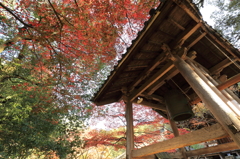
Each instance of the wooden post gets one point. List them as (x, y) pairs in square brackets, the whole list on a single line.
[(130, 132), (176, 134), (222, 94), (215, 104)]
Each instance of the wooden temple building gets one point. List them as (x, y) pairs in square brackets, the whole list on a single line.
[(176, 61)]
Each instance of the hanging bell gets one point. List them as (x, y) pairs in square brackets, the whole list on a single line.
[(177, 105)]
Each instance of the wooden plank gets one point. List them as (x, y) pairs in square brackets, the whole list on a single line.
[(218, 67), (196, 40), (176, 23), (213, 149), (187, 10), (155, 106), (153, 97), (146, 157), (130, 132), (185, 37), (205, 134), (173, 72), (147, 71), (165, 34), (151, 80)]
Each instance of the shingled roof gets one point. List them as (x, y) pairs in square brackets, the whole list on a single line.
[(173, 24)]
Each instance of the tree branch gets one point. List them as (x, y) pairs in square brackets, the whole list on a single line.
[(56, 13), (11, 12)]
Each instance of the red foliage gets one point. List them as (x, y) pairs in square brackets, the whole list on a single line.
[(113, 115)]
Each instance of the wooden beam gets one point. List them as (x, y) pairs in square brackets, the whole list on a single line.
[(188, 10), (137, 66), (151, 80), (147, 71), (165, 34), (185, 37), (153, 97), (212, 99), (146, 157), (148, 104), (196, 40), (173, 72), (204, 27), (205, 134), (218, 67), (130, 132), (235, 79), (176, 23), (222, 44), (213, 149)]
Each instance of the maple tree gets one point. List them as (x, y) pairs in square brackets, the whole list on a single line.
[(226, 18), (51, 52), (149, 127)]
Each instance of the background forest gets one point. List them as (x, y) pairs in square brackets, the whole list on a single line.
[(55, 54)]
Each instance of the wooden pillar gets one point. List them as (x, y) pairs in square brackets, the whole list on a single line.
[(222, 94), (176, 134), (130, 132), (215, 104)]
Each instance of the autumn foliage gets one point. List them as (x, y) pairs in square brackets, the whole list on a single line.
[(51, 52)]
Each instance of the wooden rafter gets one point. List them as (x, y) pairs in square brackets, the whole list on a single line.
[(176, 23), (173, 72), (159, 106), (206, 29), (153, 97), (151, 80), (147, 71), (206, 134), (196, 40), (220, 66)]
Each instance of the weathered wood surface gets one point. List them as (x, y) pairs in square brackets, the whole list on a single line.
[(222, 86), (151, 80), (218, 67), (146, 157), (213, 149), (147, 71), (225, 97), (130, 133), (196, 40), (235, 79), (176, 134), (211, 98), (151, 105), (206, 134)]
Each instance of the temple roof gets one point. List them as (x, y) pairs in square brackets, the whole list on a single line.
[(146, 69)]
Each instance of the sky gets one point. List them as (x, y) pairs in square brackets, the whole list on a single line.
[(206, 13)]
